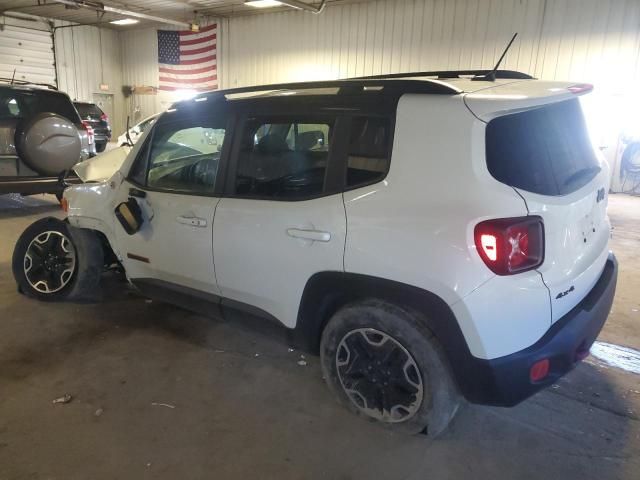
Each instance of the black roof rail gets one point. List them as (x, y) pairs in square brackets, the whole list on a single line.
[(13, 81), (448, 74), (347, 86)]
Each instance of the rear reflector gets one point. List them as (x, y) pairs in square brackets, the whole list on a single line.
[(539, 370), (511, 245)]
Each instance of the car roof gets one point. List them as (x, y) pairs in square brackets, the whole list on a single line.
[(500, 83)]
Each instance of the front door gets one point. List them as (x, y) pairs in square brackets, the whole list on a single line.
[(174, 182), (280, 221)]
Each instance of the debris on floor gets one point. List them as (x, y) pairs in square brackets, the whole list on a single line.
[(64, 399), (168, 405), (98, 412)]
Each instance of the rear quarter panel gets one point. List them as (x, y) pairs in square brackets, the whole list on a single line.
[(416, 226)]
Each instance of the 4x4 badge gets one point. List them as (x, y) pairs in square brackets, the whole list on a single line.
[(565, 293), (600, 196)]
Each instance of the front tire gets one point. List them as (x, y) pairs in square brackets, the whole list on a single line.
[(53, 261), (383, 364)]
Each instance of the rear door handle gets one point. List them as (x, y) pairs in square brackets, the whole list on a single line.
[(314, 235), (192, 221)]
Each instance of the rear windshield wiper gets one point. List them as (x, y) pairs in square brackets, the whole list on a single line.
[(583, 172)]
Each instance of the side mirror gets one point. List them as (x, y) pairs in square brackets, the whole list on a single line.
[(129, 215)]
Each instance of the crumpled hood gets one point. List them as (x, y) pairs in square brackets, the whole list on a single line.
[(103, 166)]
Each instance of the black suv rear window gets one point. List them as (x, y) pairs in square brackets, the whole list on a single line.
[(88, 110), (26, 104), (546, 150)]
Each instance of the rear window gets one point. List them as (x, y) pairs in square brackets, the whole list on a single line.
[(88, 110), (26, 104), (546, 150)]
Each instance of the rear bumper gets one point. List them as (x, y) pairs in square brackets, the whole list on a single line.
[(505, 381), (103, 136)]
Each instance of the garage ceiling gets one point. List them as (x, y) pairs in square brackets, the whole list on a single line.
[(181, 10)]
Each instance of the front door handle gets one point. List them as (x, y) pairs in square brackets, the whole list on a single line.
[(192, 221), (313, 235)]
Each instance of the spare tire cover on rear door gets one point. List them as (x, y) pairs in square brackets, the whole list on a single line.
[(48, 143)]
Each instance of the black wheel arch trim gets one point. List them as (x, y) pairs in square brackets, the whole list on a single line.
[(326, 292)]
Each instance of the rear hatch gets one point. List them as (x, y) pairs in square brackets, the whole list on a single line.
[(95, 117), (537, 142)]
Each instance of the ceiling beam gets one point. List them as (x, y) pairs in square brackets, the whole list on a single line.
[(99, 7)]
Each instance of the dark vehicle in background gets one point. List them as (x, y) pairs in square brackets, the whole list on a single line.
[(98, 120), (41, 137)]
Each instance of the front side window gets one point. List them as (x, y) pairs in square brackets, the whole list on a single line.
[(184, 157), (283, 159)]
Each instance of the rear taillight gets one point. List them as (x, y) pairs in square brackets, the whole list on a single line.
[(511, 245), (89, 129), (104, 117)]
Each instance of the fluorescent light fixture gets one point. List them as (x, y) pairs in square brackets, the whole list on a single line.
[(124, 21), (263, 3)]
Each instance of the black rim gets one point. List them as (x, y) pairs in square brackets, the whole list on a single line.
[(49, 262), (379, 375)]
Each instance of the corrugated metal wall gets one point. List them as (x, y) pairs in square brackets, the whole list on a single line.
[(87, 57), (593, 40), (26, 47), (381, 37)]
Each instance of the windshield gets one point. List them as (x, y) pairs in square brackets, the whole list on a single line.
[(15, 104)]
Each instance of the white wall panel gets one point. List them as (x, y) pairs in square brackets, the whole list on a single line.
[(87, 57), (381, 36)]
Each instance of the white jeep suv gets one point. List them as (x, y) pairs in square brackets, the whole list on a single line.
[(433, 236)]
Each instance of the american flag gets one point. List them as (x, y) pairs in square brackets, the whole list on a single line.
[(187, 60)]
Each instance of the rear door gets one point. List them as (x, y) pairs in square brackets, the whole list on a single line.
[(545, 154), (281, 220)]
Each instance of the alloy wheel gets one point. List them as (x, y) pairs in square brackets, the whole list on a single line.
[(49, 262), (380, 376)]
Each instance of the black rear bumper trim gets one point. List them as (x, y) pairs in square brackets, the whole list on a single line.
[(505, 381)]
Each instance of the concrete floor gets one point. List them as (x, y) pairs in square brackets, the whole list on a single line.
[(238, 405)]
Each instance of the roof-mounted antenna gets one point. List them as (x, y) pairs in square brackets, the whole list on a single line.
[(491, 76), (13, 76)]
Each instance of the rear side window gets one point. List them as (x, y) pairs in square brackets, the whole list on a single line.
[(546, 150), (283, 159), (369, 150), (26, 104)]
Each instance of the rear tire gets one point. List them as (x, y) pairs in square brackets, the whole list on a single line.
[(383, 364), (101, 146), (54, 261)]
